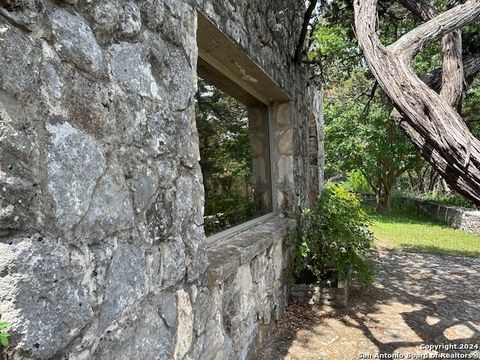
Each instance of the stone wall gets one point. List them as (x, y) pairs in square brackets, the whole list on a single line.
[(248, 291), (460, 218), (102, 249)]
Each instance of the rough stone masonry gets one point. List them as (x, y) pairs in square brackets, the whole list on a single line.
[(102, 250)]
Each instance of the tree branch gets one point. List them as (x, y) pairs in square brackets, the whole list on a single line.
[(471, 67), (434, 127), (415, 40), (420, 9), (366, 109), (452, 68), (303, 33)]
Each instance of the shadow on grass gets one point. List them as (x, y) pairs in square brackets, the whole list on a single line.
[(398, 216), (429, 236), (431, 249)]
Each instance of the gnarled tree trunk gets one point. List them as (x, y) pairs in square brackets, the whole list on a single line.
[(428, 118)]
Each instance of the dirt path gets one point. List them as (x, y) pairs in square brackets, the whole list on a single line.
[(417, 300)]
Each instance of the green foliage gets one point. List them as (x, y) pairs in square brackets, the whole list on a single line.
[(357, 183), (428, 59), (336, 49), (335, 238), (448, 199), (4, 336), (360, 137)]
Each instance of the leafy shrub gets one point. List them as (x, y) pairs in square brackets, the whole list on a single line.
[(3, 334), (357, 183), (335, 239)]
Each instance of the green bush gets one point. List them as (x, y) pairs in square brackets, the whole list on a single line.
[(335, 239), (357, 183), (3, 334)]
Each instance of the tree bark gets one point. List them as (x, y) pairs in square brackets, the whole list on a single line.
[(452, 65), (421, 9), (471, 67), (297, 58), (384, 202), (435, 128)]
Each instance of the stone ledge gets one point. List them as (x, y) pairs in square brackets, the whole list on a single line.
[(228, 255)]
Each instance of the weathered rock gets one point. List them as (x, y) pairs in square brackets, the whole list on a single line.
[(152, 339), (160, 217), (116, 344), (167, 173), (182, 86), (75, 42), (19, 62), (184, 338), (130, 67), (72, 154), (168, 309), (205, 309), (24, 13), (21, 205), (161, 133), (172, 262), (89, 105), (126, 284), (110, 210), (184, 201), (131, 20), (214, 341), (59, 282), (106, 15), (143, 186)]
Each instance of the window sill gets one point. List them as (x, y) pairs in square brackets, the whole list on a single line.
[(240, 248)]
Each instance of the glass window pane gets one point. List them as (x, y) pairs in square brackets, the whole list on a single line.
[(235, 161)]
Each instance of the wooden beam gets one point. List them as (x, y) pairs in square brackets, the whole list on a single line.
[(220, 57)]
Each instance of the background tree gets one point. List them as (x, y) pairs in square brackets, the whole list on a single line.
[(335, 55), (360, 136)]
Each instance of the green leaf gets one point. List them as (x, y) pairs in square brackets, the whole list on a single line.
[(4, 339)]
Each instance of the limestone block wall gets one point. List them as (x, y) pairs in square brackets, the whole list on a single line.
[(247, 292), (102, 248)]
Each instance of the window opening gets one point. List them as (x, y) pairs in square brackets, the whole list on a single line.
[(235, 158)]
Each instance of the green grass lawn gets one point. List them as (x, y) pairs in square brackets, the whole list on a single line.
[(416, 232)]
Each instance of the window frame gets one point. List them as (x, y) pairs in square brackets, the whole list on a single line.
[(232, 71), (223, 235)]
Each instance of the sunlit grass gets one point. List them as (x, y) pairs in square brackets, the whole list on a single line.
[(416, 232)]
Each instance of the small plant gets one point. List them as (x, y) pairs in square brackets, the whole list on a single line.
[(335, 240), (3, 334)]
